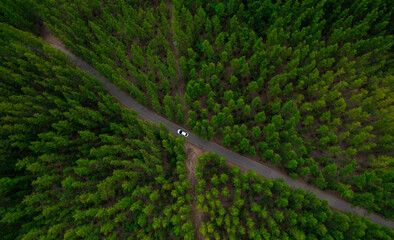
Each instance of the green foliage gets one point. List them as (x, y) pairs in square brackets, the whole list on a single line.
[(78, 165), (261, 207), (306, 86), (298, 66), (21, 14), (304, 69)]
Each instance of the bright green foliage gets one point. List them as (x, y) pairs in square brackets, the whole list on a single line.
[(311, 64), (317, 71), (306, 85), (260, 208)]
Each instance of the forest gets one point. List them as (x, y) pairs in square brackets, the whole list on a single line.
[(242, 205), (74, 163), (303, 86)]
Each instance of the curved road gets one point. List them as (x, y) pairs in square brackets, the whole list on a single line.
[(234, 158)]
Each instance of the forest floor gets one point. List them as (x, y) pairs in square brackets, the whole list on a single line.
[(192, 154)]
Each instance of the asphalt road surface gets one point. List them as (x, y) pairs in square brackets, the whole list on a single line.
[(234, 158)]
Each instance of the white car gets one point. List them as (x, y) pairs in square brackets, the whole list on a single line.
[(183, 133)]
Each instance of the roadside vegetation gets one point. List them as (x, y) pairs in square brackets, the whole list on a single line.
[(306, 86), (74, 163), (242, 205)]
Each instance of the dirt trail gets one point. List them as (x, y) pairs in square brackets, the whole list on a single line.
[(192, 153), (48, 37), (180, 85)]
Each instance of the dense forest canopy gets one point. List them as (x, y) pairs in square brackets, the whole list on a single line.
[(75, 164), (306, 86), (242, 205)]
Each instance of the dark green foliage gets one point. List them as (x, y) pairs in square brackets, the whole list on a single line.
[(304, 85), (132, 58), (75, 164), (321, 69), (21, 14)]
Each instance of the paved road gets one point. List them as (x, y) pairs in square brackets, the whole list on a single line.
[(234, 158)]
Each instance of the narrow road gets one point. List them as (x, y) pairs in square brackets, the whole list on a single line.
[(235, 158)]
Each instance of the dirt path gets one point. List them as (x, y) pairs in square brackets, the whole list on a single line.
[(192, 153), (48, 37), (180, 85)]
